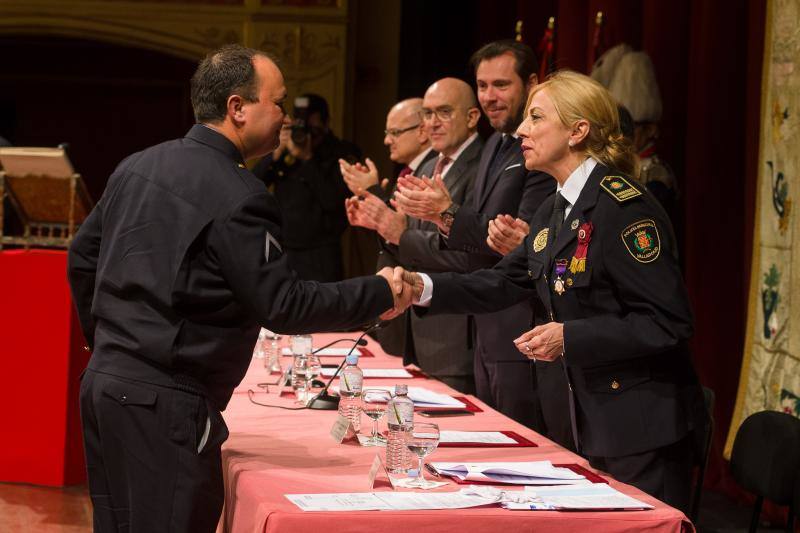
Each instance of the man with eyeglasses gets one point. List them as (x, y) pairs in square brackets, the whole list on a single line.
[(408, 145), (505, 73), (441, 345)]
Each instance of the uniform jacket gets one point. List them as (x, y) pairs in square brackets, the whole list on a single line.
[(180, 263), (626, 316)]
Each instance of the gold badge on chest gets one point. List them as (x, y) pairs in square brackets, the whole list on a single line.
[(540, 241)]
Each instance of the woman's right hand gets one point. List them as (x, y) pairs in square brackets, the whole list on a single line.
[(506, 233)]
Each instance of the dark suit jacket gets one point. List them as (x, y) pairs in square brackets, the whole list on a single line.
[(392, 336), (435, 353), (179, 264), (386, 194), (510, 189), (626, 318)]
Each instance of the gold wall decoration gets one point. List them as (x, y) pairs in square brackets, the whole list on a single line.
[(308, 37)]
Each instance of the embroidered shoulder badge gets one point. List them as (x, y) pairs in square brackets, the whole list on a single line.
[(642, 240), (540, 241), (620, 188)]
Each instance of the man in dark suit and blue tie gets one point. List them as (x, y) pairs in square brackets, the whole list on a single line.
[(505, 73)]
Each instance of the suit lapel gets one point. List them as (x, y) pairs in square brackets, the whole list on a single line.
[(513, 155), (483, 167)]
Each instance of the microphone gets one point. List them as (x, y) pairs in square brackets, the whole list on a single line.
[(359, 342), (327, 402)]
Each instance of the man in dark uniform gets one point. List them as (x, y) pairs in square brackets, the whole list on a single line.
[(505, 72), (173, 273)]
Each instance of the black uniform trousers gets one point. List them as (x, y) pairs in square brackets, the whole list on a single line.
[(145, 473), (664, 472)]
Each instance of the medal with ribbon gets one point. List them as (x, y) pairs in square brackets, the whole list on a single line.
[(578, 263), (558, 283)]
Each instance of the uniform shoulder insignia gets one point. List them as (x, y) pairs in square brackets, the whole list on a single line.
[(619, 188), (642, 241)]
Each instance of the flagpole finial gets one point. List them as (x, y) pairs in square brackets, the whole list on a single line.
[(551, 23), (518, 31), (598, 20)]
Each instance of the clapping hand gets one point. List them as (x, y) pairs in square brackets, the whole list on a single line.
[(545, 342), (422, 198), (506, 233), (358, 177)]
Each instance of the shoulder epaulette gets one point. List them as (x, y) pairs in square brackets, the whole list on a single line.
[(619, 188)]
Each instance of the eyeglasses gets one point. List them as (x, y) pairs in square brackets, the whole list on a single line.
[(445, 114), (395, 132)]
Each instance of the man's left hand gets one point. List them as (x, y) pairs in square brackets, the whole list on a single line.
[(422, 198), (545, 342)]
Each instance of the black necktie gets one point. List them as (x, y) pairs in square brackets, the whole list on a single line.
[(557, 218), (500, 153)]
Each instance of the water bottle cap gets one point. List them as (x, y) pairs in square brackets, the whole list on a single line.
[(401, 389), (352, 359)]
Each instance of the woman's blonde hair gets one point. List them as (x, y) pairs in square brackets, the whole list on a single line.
[(578, 97)]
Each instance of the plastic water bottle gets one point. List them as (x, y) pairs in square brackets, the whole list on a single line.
[(258, 349), (400, 417), (351, 379), (301, 347), (272, 353)]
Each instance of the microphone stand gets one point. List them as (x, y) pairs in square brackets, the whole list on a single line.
[(359, 342), (328, 402)]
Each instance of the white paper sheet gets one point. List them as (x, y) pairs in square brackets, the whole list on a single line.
[(327, 351), (385, 501), (481, 437), (421, 397), (596, 497), (515, 473), (375, 372)]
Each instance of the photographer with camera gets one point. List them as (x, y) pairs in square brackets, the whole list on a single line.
[(304, 172)]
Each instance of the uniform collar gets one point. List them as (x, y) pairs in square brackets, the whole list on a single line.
[(575, 182), (207, 135)]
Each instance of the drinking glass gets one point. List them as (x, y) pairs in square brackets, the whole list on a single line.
[(422, 440), (300, 382), (373, 403), (313, 370)]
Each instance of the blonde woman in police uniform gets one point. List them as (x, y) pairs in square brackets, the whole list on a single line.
[(600, 256)]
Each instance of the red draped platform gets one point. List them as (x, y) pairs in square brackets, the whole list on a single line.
[(42, 355)]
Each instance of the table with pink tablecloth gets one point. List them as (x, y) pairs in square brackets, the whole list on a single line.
[(272, 452)]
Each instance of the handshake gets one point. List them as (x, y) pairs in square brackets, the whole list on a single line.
[(406, 289)]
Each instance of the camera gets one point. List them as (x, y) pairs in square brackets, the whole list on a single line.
[(300, 127)]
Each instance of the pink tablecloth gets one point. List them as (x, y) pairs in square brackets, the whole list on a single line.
[(272, 452)]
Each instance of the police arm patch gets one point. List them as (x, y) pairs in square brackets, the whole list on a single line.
[(619, 188), (642, 240)]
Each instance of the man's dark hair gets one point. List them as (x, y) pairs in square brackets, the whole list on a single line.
[(525, 64), (225, 71)]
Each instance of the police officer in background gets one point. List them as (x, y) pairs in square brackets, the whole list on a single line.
[(173, 273), (601, 257)]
